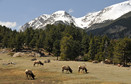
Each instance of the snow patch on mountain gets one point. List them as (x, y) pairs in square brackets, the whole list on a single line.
[(62, 16), (109, 13), (130, 2)]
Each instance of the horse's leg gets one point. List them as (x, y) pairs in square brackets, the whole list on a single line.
[(62, 70), (27, 76), (79, 71), (30, 76), (82, 70), (66, 71), (34, 64)]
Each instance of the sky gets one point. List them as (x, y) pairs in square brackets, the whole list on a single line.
[(15, 13)]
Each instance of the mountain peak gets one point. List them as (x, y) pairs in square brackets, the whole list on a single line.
[(109, 13), (60, 12)]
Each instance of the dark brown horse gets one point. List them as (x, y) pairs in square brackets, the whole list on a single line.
[(82, 68), (67, 68), (38, 62), (29, 74), (47, 61)]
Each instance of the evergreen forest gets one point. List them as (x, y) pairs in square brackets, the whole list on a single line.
[(68, 42)]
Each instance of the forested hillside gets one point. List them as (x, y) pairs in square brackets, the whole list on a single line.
[(118, 28), (68, 42)]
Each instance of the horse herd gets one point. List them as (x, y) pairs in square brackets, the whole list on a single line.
[(30, 74)]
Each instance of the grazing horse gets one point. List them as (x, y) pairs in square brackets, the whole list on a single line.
[(107, 61), (38, 62), (67, 68), (29, 74), (95, 61), (82, 68), (47, 61)]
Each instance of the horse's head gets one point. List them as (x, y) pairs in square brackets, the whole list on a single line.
[(85, 70), (41, 63), (70, 70)]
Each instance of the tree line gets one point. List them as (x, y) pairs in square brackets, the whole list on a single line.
[(68, 42)]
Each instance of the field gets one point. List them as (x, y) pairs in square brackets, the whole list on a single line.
[(51, 73)]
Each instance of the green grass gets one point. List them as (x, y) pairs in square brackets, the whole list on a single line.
[(51, 73)]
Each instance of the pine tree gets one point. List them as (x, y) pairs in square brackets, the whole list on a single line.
[(85, 44), (56, 48), (122, 53), (92, 48), (69, 48), (18, 42)]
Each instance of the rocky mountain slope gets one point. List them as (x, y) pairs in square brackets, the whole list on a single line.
[(109, 13), (118, 28)]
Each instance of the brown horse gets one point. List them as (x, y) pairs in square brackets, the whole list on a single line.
[(107, 61), (95, 61), (82, 68), (47, 61), (29, 74), (67, 68), (38, 62)]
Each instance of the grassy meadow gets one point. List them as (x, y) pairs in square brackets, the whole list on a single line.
[(51, 73)]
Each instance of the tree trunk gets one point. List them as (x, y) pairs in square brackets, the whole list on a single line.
[(57, 57)]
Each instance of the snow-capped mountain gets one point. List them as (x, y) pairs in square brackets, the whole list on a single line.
[(43, 20), (109, 13)]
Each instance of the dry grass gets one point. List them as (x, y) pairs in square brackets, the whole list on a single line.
[(51, 73)]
